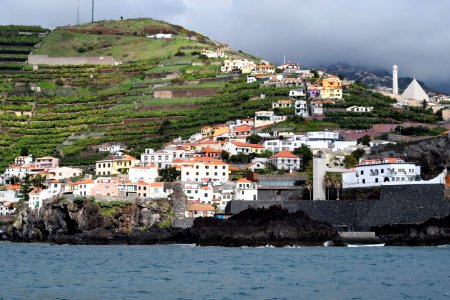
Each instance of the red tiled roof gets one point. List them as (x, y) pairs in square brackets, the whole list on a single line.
[(243, 180), (204, 207), (284, 154), (240, 144)]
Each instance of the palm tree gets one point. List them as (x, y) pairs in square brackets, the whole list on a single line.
[(328, 182), (309, 187), (337, 183)]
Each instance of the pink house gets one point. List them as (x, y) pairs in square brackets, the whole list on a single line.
[(47, 162), (105, 187)]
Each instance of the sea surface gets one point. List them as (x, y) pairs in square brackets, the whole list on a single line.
[(41, 271)]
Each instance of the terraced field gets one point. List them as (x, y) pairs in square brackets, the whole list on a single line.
[(16, 42), (67, 110)]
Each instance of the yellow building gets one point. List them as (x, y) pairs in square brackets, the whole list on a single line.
[(220, 129), (331, 82), (331, 93), (115, 165)]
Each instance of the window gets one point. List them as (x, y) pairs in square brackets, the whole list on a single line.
[(363, 181), (362, 173)]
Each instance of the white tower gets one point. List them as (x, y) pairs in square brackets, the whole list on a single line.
[(395, 79)]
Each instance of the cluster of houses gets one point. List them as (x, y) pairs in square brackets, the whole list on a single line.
[(203, 163)]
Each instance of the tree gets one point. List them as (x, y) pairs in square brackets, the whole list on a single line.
[(254, 139), (38, 181), (337, 182), (270, 168), (25, 188), (224, 155), (240, 158), (424, 104), (305, 153), (353, 159), (24, 151), (164, 126), (340, 76), (315, 73), (328, 182), (309, 185), (365, 140), (169, 174)]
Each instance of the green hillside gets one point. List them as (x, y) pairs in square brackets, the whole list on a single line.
[(126, 40), (79, 107), (66, 111)]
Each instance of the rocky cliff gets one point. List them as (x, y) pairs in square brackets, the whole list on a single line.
[(432, 154), (59, 219)]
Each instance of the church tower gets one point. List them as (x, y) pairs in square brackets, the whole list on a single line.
[(395, 79)]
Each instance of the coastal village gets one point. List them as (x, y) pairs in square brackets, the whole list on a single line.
[(248, 159)]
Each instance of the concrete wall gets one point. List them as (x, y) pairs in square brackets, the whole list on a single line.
[(407, 204), (281, 194), (35, 59), (184, 93)]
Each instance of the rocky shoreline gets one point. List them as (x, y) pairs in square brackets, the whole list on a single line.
[(146, 223)]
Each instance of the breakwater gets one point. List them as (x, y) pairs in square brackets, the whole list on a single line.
[(405, 204)]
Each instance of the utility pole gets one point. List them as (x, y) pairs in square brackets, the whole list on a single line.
[(93, 11)]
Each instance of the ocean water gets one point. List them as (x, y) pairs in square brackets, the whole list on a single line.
[(41, 271)]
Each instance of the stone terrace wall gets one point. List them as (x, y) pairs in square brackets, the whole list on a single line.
[(407, 204)]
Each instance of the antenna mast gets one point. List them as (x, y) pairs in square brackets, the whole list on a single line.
[(93, 11)]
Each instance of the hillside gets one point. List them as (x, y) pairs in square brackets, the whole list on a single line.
[(66, 110), (126, 40)]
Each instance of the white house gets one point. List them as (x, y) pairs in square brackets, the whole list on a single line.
[(246, 190), (243, 65), (359, 108), (204, 169), (297, 94), (112, 148), (264, 118), (283, 103), (198, 193), (199, 210), (147, 173), (238, 147), (37, 197), (161, 158), (385, 171), (301, 108), (161, 36), (7, 208), (213, 53), (23, 160), (323, 136), (286, 160), (83, 187)]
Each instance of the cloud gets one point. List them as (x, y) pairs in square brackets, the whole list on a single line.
[(413, 34)]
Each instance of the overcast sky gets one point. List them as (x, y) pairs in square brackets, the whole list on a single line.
[(414, 34)]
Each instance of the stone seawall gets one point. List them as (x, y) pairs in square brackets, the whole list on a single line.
[(407, 204)]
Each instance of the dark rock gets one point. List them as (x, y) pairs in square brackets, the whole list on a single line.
[(435, 231), (260, 226)]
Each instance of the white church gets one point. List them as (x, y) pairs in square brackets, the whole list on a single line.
[(413, 95)]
